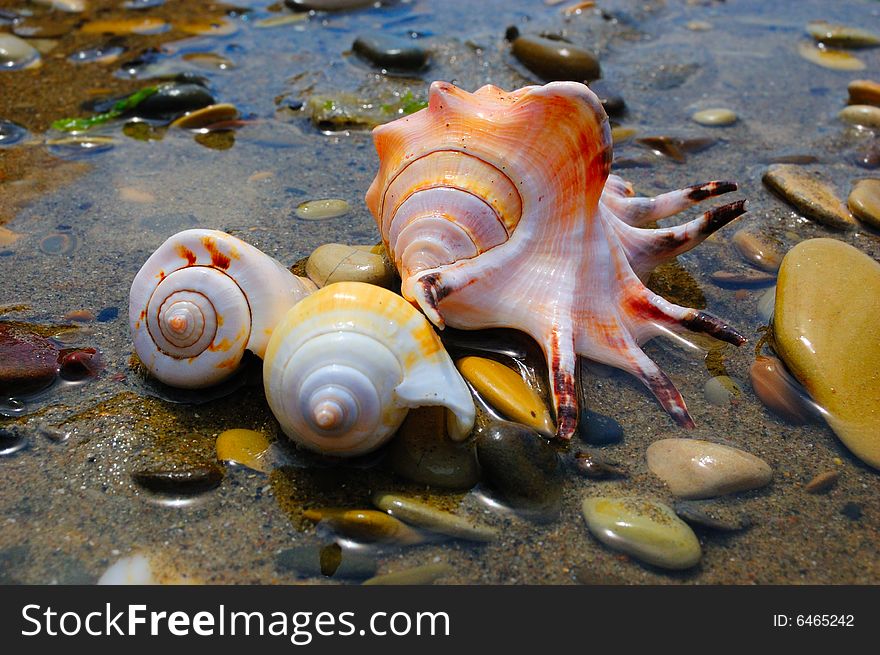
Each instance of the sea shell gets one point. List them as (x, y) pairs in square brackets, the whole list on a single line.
[(201, 300), (499, 211), (344, 366)]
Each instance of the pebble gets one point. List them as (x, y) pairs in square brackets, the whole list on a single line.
[(422, 452), (522, 466), (419, 575), (16, 53), (279, 21), (11, 133), (58, 243), (842, 36), (852, 511), (766, 303), (328, 5), (415, 512), (246, 447), (76, 147), (122, 26), (809, 194), (869, 157), (11, 441), (822, 482), (645, 529), (597, 467), (610, 98), (184, 480), (864, 202), (213, 27), (778, 390), (28, 361), (173, 99), (505, 390), (390, 52), (331, 561), (721, 390), (864, 92), (693, 468), (708, 515), (553, 60), (134, 570), (366, 525), (598, 429), (337, 262), (828, 58), (714, 117), (77, 364), (206, 116), (825, 328), (676, 148), (861, 115), (318, 210), (757, 250), (104, 54), (209, 61)]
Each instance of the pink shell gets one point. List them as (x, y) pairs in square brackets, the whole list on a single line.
[(511, 219)]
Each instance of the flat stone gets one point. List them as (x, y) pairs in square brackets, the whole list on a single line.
[(598, 429), (418, 513), (553, 60), (864, 202), (861, 115), (809, 194), (825, 328), (715, 117), (864, 92), (390, 52), (647, 530), (28, 361), (693, 468)]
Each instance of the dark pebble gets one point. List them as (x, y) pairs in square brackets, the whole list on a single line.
[(180, 481), (852, 511), (174, 99), (28, 362), (107, 314), (597, 467), (522, 466), (10, 133), (11, 441), (611, 100), (330, 561), (79, 363), (390, 52), (869, 158), (598, 429), (556, 60), (707, 516), (511, 33)]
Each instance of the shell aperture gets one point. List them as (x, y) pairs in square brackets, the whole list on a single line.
[(344, 366), (499, 210), (201, 300)]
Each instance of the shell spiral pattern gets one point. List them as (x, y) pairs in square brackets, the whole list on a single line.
[(499, 210), (201, 300), (344, 366)]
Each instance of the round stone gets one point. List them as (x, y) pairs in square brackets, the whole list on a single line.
[(337, 262), (553, 60), (390, 52), (647, 530), (864, 202), (861, 115), (715, 117), (693, 468)]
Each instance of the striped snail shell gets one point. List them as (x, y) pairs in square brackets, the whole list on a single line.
[(344, 366), (201, 300)]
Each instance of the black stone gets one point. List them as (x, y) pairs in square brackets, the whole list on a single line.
[(611, 100), (390, 53), (174, 99), (598, 429), (522, 467), (107, 314), (852, 511), (192, 480)]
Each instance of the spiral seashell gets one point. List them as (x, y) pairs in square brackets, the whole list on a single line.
[(201, 300), (498, 210), (344, 366)]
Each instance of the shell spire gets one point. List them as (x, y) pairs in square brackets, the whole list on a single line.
[(498, 210)]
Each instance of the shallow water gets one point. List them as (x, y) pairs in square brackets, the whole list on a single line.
[(69, 507)]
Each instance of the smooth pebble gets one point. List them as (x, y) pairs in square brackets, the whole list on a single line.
[(864, 92), (864, 202), (246, 447), (693, 468), (809, 194), (553, 60), (829, 58), (721, 390), (367, 525), (715, 117), (317, 210), (337, 262), (420, 514), (645, 529), (778, 390), (861, 115)]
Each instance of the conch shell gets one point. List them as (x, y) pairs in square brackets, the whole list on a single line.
[(201, 300), (499, 211), (344, 366)]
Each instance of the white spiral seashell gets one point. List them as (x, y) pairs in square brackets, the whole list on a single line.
[(344, 366), (201, 300)]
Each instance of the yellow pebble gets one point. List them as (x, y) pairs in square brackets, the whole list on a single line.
[(838, 461), (365, 525), (246, 447), (506, 391)]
